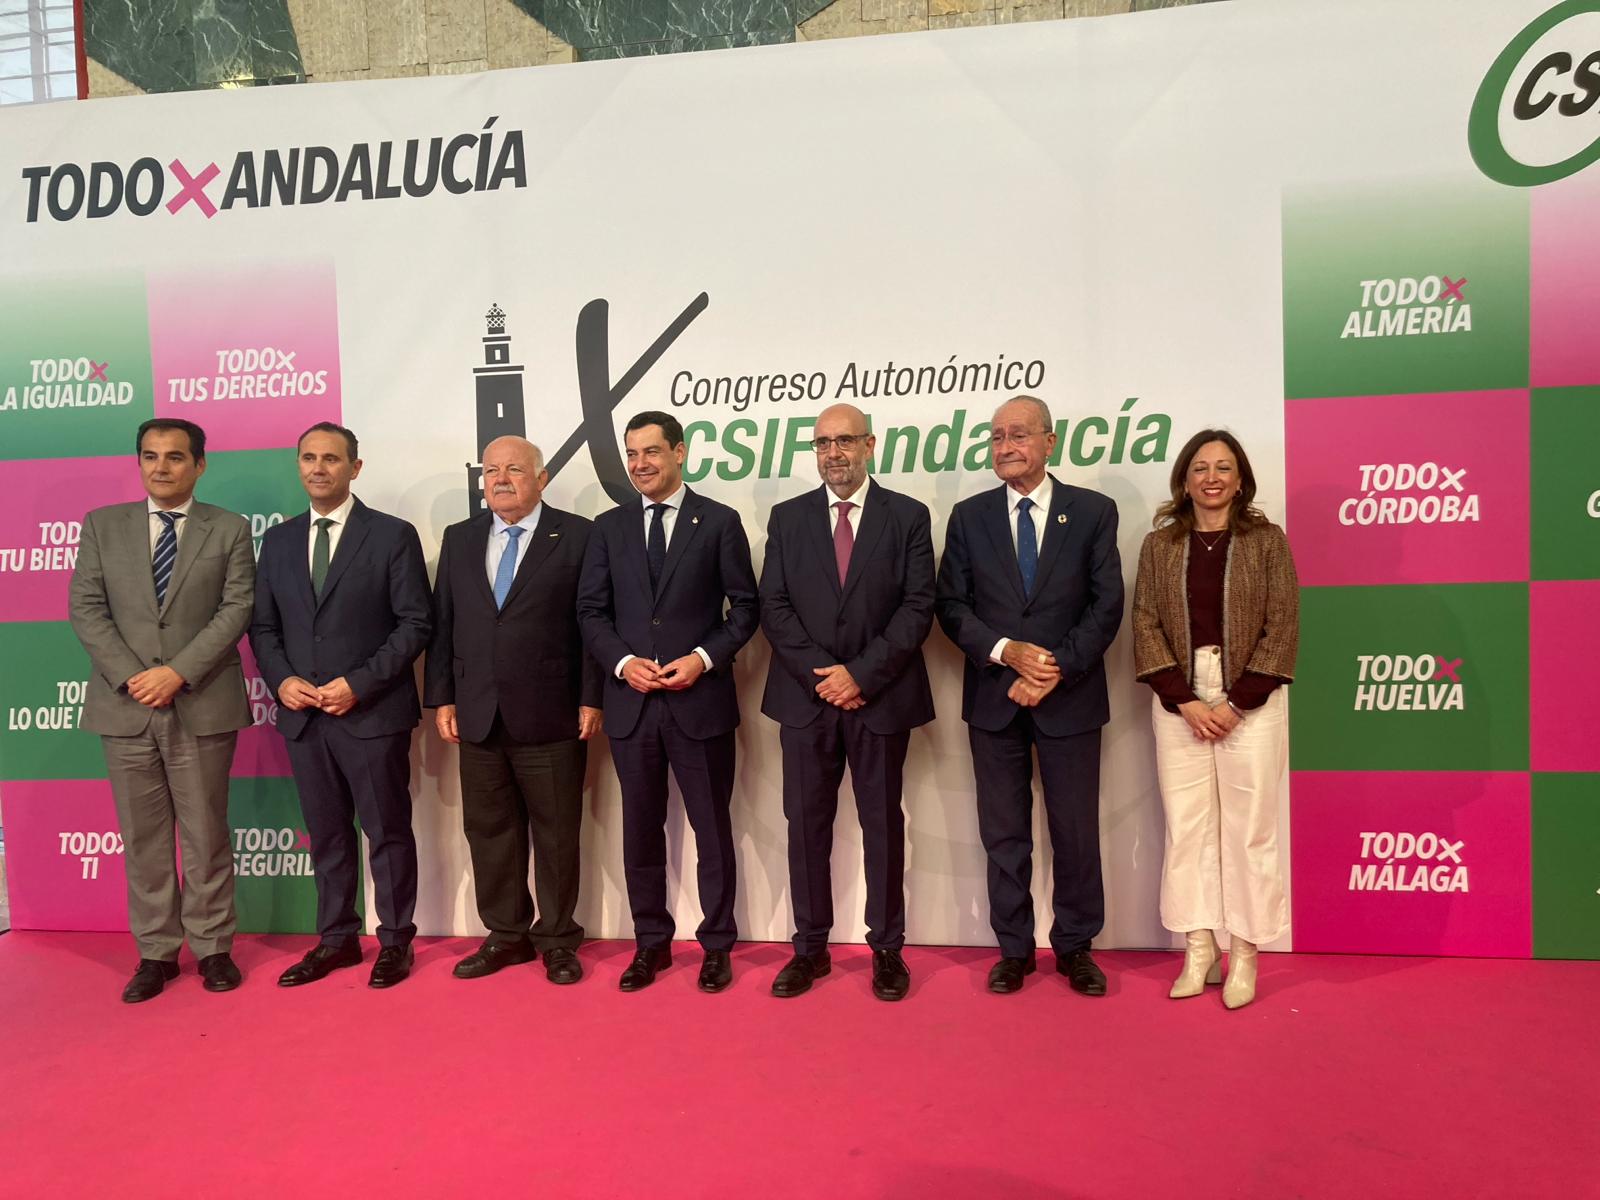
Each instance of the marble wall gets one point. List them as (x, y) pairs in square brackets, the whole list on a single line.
[(138, 46)]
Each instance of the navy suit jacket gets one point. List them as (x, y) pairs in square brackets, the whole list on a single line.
[(707, 566), (525, 660), (874, 624), (370, 624), (1073, 611)]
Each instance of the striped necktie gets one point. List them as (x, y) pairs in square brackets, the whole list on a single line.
[(166, 553)]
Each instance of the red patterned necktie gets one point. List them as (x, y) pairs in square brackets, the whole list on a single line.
[(844, 539)]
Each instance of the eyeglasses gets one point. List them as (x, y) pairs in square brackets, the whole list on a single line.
[(1002, 436), (845, 441)]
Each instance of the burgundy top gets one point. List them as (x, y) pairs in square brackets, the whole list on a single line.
[(1208, 561)]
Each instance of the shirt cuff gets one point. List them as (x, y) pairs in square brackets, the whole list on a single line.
[(704, 657), (998, 654), (1253, 690), (624, 661)]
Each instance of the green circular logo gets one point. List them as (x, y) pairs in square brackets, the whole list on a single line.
[(1483, 126)]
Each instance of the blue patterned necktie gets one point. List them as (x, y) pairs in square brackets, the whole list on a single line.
[(1027, 546), (507, 570), (166, 553), (655, 547)]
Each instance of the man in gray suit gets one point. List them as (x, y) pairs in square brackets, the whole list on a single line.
[(161, 595)]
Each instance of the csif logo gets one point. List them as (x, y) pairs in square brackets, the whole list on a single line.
[(1535, 117), (475, 161)]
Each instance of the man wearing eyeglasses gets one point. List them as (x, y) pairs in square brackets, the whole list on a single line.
[(1030, 589), (846, 601)]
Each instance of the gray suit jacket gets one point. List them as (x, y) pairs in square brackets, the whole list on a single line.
[(196, 632)]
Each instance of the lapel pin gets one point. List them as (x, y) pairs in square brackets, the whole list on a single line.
[(1061, 518), (555, 535), (694, 520)]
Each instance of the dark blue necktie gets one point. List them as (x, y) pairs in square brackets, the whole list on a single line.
[(655, 546), (507, 570), (166, 554), (1027, 546)]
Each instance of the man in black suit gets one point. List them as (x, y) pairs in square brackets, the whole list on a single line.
[(511, 683), (650, 602), (1030, 589), (342, 612), (846, 601)]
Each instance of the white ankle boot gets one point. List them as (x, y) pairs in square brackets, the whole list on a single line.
[(1241, 986), (1202, 964)]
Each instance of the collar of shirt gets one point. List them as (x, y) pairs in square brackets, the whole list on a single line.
[(674, 501), (857, 497), (1040, 497), (338, 516), (152, 508), (528, 523)]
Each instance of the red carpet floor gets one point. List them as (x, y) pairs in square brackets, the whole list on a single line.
[(1349, 1077)]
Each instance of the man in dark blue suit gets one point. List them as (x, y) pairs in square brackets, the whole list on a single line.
[(514, 689), (651, 599), (342, 612), (846, 601), (1030, 589)]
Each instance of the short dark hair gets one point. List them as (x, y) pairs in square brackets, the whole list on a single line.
[(330, 427), (197, 436), (669, 425)]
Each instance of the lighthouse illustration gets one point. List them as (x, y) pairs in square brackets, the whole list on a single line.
[(499, 387)]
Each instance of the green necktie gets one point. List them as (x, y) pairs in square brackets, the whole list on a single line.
[(319, 556)]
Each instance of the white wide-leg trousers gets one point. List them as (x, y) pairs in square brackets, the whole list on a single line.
[(1222, 870)]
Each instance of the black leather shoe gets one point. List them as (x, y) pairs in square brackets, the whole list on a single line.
[(1006, 975), (391, 966), (491, 956), (562, 966), (800, 972), (219, 973), (151, 976), (319, 960), (1082, 973), (716, 972), (890, 979), (641, 972)]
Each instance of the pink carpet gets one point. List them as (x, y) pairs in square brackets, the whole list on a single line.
[(1349, 1077)]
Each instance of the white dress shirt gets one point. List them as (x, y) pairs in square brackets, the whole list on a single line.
[(1040, 496), (669, 522), (339, 517), (156, 525), (498, 541)]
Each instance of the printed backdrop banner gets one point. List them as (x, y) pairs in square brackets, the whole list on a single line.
[(1380, 273)]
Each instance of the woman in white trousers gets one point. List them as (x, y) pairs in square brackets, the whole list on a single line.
[(1216, 611)]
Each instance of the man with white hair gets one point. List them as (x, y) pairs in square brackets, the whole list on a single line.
[(511, 684), (1030, 589)]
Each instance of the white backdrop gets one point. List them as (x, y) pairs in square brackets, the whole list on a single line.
[(1101, 195)]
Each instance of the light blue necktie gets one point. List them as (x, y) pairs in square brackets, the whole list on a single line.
[(507, 570), (166, 554), (1027, 546)]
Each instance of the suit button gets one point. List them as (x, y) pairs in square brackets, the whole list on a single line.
[(156, 661), (318, 637), (655, 620), (163, 624)]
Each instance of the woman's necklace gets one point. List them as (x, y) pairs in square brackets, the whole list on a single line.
[(1212, 544)]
